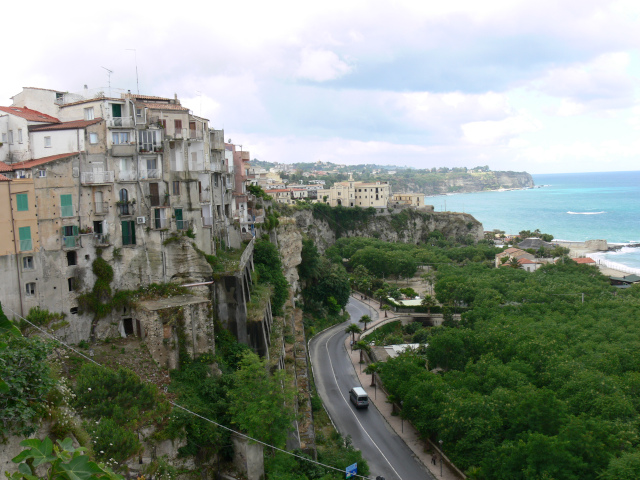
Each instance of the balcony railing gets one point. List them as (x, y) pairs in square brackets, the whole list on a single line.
[(207, 221), (160, 223), (183, 224), (120, 122), (195, 135), (126, 209), (71, 242), (89, 178), (67, 211), (151, 173), (127, 176), (147, 149), (101, 239), (159, 200), (205, 197), (26, 245), (101, 208)]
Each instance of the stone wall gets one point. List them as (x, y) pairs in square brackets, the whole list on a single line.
[(290, 247)]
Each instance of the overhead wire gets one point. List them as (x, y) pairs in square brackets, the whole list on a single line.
[(176, 405)]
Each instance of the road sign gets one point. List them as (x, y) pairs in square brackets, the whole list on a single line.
[(352, 470)]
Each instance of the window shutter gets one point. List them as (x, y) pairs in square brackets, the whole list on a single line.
[(23, 202), (24, 233), (132, 226), (75, 230)]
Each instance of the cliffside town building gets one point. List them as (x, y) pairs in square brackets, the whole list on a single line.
[(360, 194), (83, 175)]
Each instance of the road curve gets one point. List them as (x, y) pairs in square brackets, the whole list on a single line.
[(387, 454)]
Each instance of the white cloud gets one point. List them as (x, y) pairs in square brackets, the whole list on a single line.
[(492, 132), (321, 65)]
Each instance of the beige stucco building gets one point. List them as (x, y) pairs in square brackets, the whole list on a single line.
[(356, 194)]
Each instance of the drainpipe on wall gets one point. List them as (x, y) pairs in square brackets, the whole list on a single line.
[(15, 250)]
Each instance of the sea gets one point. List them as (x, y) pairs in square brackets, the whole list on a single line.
[(571, 207)]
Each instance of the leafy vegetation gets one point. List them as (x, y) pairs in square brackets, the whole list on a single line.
[(267, 263), (534, 383)]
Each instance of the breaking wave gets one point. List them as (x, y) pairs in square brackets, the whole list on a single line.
[(585, 213)]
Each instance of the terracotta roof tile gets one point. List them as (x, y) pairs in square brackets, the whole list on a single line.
[(166, 106), (40, 161), (65, 125), (5, 168), (584, 260), (146, 97), (4, 179), (88, 100), (29, 115)]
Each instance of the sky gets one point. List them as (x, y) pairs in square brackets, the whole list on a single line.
[(545, 86)]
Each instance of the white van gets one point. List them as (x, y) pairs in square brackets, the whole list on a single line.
[(359, 397)]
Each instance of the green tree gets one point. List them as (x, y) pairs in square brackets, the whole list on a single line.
[(372, 369), (363, 347), (256, 395), (428, 302), (267, 263), (352, 329), (385, 308), (309, 267), (365, 319)]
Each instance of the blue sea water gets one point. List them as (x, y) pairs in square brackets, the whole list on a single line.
[(575, 206)]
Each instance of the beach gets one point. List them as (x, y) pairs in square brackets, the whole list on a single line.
[(585, 249)]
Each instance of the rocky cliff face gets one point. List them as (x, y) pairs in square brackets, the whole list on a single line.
[(290, 247), (464, 182), (412, 227)]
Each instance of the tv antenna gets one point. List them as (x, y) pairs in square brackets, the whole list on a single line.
[(199, 94), (135, 52), (109, 72)]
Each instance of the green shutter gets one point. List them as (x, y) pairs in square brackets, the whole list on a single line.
[(75, 230), (66, 206), (133, 232), (23, 202), (116, 109), (25, 238)]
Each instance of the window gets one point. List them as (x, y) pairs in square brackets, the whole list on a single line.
[(70, 236), (47, 142), (178, 126), (27, 263), (124, 202), (93, 138), (73, 311), (42, 173), (164, 124), (176, 188), (19, 135), (128, 232), (24, 233), (98, 227), (10, 137), (66, 206), (139, 112), (72, 257), (148, 140), (22, 199), (71, 282), (4, 137), (180, 223), (88, 113), (120, 138), (30, 289)]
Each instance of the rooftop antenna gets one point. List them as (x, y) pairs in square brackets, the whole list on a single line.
[(109, 72), (135, 52)]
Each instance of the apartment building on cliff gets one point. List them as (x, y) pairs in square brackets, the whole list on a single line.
[(356, 194), (83, 175)]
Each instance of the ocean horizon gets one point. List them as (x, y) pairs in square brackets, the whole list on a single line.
[(570, 206)]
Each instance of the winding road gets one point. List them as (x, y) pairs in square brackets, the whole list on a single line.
[(386, 453)]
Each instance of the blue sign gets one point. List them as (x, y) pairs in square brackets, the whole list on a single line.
[(352, 470)]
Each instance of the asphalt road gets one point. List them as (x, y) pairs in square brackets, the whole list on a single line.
[(388, 456)]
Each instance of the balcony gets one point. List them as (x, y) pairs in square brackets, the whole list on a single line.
[(123, 150), (160, 223), (26, 245), (126, 209), (160, 200), (183, 224), (96, 178), (195, 135), (148, 149), (101, 208), (127, 176), (101, 239), (207, 221), (71, 242), (205, 197), (150, 174), (120, 122)]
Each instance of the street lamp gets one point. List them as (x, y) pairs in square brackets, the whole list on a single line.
[(441, 453)]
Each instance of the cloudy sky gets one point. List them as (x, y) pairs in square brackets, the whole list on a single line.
[(544, 86)]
